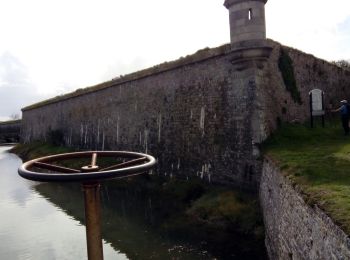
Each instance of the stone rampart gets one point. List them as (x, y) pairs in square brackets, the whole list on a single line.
[(10, 131), (204, 114), (309, 73), (294, 229), (196, 118)]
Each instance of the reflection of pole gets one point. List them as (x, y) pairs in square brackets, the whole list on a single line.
[(92, 219)]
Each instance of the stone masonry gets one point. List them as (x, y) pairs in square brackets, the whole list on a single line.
[(202, 115), (247, 20), (295, 230), (10, 131), (310, 73), (196, 119)]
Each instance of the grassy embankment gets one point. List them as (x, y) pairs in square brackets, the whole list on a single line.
[(317, 161), (190, 207)]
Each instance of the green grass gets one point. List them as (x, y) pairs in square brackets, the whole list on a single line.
[(38, 149), (318, 162)]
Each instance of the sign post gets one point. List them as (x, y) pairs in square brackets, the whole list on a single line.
[(316, 105)]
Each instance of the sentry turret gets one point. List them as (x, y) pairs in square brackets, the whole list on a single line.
[(247, 20)]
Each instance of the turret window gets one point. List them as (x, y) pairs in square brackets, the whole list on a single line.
[(250, 14)]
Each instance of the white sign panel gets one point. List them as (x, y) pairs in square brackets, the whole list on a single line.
[(316, 102)]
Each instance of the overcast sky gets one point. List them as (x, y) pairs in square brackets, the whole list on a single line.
[(50, 47)]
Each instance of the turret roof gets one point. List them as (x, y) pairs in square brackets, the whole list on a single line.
[(228, 3)]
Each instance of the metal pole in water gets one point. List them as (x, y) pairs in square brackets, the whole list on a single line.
[(93, 213), (93, 220)]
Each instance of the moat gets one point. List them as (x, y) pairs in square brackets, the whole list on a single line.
[(46, 221)]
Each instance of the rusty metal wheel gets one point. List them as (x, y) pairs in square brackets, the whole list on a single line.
[(89, 175), (132, 164)]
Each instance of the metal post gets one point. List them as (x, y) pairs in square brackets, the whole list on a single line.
[(323, 109), (311, 115), (92, 219), (323, 121)]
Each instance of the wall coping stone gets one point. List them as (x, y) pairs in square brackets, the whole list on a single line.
[(10, 122), (229, 3)]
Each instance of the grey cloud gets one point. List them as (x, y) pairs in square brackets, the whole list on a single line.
[(16, 90)]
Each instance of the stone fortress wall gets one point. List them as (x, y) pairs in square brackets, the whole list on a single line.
[(294, 229), (10, 131), (203, 115), (309, 73), (194, 118)]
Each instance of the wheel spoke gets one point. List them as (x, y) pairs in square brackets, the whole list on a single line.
[(55, 167), (93, 159), (124, 164)]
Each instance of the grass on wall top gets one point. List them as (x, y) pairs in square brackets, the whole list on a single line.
[(318, 162)]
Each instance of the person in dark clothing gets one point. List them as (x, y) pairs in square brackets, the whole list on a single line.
[(344, 113)]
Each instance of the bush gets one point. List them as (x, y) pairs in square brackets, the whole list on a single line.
[(342, 64)]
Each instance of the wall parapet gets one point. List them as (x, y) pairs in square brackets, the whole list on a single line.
[(294, 229)]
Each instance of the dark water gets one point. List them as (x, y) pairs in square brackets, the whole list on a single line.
[(46, 221)]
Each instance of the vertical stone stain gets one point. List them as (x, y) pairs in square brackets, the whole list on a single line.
[(70, 136), (103, 141), (86, 132), (98, 133), (81, 133), (118, 129), (159, 122), (146, 140), (202, 120)]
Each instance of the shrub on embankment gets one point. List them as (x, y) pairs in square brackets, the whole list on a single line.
[(317, 161)]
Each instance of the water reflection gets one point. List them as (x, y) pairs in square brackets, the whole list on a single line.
[(32, 227), (125, 222), (137, 223), (46, 221)]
